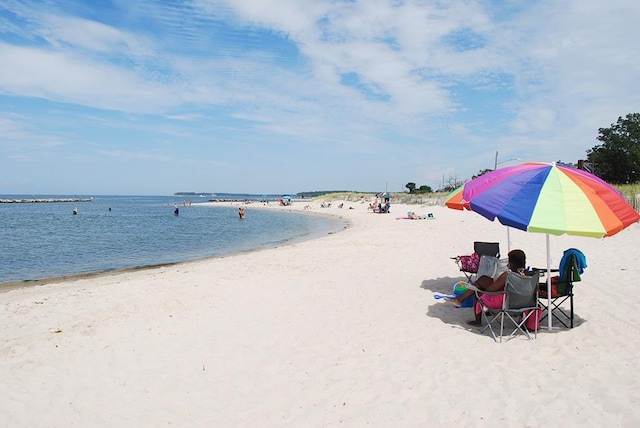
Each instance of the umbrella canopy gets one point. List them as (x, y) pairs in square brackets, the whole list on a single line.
[(550, 198), (455, 200), (384, 195)]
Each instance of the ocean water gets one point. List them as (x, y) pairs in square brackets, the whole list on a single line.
[(45, 240)]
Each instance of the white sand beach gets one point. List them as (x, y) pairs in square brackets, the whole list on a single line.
[(339, 330)]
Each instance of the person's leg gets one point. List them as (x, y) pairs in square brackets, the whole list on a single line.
[(461, 298), (478, 312), (481, 283), (477, 322)]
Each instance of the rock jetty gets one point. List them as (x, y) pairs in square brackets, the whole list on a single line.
[(37, 200)]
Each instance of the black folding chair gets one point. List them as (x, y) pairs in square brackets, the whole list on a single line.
[(561, 292), (479, 248)]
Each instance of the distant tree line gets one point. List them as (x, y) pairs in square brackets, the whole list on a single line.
[(192, 194)]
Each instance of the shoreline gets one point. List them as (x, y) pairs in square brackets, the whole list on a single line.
[(339, 330), (343, 225)]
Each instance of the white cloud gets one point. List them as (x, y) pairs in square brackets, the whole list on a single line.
[(427, 79)]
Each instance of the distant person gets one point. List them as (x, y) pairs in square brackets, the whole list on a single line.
[(241, 213), (75, 211), (176, 210)]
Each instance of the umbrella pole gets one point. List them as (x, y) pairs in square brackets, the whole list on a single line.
[(508, 240), (549, 322)]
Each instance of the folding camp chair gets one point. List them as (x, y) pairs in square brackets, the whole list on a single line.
[(468, 264), (491, 266), (571, 266), (520, 304)]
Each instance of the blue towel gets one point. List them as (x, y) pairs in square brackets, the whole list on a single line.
[(581, 260)]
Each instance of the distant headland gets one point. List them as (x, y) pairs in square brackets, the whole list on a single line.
[(205, 194), (298, 195)]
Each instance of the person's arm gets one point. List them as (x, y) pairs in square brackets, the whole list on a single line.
[(498, 283)]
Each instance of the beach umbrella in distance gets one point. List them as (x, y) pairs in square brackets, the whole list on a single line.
[(550, 198)]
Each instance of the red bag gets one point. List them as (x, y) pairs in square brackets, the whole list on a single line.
[(533, 322), (470, 263), (554, 287)]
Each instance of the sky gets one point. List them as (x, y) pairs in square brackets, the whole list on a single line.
[(152, 97)]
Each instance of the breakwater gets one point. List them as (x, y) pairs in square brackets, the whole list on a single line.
[(42, 200)]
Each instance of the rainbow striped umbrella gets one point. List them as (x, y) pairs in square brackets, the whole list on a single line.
[(550, 198), (455, 200)]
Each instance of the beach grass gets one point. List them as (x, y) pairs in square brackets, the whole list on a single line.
[(396, 197), (631, 192)]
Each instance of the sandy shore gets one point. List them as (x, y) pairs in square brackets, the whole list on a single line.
[(340, 330)]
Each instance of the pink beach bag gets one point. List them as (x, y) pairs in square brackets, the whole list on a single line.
[(533, 322), (470, 263)]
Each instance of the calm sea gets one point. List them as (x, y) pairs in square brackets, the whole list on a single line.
[(45, 240)]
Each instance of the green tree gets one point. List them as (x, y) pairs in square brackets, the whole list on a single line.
[(411, 187), (482, 172), (424, 189), (617, 159)]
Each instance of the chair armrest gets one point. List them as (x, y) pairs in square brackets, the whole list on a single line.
[(542, 271), (490, 293), (472, 287)]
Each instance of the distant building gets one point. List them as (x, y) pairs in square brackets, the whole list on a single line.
[(584, 165)]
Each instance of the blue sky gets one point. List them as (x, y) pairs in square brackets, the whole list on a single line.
[(282, 96)]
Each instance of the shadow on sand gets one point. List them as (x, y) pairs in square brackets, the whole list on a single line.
[(458, 317), (446, 312)]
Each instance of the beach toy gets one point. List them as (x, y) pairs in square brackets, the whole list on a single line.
[(459, 288)]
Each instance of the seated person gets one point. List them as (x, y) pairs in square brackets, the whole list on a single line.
[(517, 263)]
